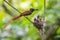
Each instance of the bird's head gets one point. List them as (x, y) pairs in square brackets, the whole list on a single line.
[(32, 10)]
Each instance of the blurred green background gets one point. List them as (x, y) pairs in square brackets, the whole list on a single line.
[(22, 29)]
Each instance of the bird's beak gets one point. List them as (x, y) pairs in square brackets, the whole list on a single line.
[(36, 9)]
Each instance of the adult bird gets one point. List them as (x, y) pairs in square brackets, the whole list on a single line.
[(26, 13)]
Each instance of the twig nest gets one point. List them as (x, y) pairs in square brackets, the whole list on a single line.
[(38, 23)]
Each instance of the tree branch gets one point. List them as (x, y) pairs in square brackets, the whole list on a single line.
[(52, 29)]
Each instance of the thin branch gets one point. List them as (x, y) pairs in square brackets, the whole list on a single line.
[(12, 6), (6, 10), (44, 19), (17, 10)]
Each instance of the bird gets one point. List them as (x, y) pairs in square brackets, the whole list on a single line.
[(25, 13)]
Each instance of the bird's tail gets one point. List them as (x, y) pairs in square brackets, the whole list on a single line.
[(16, 18), (10, 21)]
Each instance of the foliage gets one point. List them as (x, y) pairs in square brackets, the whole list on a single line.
[(24, 28)]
